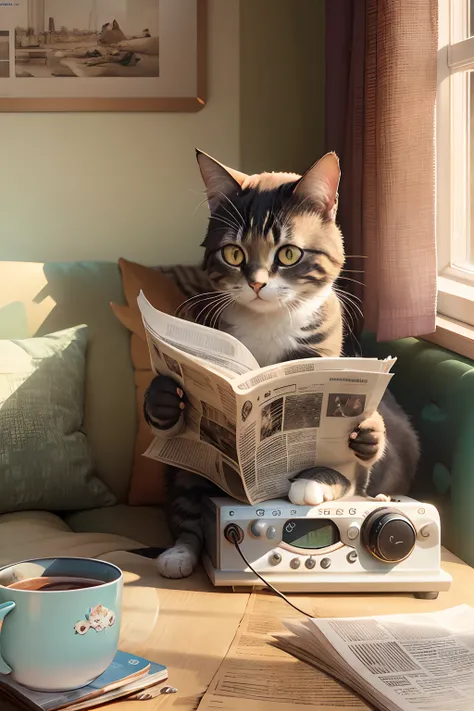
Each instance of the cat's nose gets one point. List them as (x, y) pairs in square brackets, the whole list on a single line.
[(256, 285)]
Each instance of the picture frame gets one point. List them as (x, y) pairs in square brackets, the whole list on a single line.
[(88, 56)]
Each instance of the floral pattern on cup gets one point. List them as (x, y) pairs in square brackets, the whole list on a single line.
[(98, 618)]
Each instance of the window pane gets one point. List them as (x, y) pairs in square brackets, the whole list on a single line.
[(471, 18)]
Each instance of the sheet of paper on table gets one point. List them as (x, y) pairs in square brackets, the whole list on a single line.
[(418, 662), (268, 679)]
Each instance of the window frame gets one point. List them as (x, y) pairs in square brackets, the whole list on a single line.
[(455, 59)]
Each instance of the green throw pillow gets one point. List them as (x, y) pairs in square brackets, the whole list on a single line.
[(45, 460)]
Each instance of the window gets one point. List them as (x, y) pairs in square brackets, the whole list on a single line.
[(455, 160)]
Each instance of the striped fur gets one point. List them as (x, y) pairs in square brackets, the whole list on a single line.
[(280, 312)]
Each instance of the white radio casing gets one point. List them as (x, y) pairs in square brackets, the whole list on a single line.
[(344, 566)]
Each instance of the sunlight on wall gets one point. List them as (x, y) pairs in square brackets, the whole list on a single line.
[(100, 186)]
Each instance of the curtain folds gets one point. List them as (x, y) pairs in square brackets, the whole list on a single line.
[(381, 58)]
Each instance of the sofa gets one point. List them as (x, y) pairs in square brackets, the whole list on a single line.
[(36, 299), (435, 386)]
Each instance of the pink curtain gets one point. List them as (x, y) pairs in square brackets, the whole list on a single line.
[(381, 60)]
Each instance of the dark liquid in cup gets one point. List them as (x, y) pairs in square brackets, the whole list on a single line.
[(52, 584)]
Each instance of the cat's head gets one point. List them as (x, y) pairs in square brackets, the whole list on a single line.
[(272, 239), (111, 33)]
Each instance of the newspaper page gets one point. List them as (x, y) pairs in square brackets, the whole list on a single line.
[(420, 662), (203, 362), (250, 429), (303, 418), (219, 350), (258, 677)]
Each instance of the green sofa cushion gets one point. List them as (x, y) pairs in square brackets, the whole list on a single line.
[(436, 388), (45, 460), (41, 298)]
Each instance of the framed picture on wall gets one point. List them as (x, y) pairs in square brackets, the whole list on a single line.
[(103, 55)]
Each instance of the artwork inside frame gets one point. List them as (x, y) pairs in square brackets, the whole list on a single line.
[(103, 55)]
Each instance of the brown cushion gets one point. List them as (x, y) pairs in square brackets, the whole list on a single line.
[(147, 481)]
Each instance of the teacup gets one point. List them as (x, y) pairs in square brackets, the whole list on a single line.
[(61, 621)]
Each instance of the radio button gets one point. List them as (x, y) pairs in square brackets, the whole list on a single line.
[(353, 531), (257, 528), (295, 563), (271, 532), (352, 557), (326, 563), (427, 530), (310, 563), (275, 558)]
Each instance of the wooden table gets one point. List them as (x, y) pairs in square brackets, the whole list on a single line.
[(189, 625)]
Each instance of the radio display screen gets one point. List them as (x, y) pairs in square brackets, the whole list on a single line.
[(310, 533)]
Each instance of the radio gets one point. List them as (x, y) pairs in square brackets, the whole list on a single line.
[(349, 545)]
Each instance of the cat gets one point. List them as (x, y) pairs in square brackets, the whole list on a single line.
[(111, 33), (347, 406), (273, 252)]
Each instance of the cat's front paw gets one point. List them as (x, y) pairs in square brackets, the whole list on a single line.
[(310, 493), (383, 497), (164, 402), (367, 440), (177, 562)]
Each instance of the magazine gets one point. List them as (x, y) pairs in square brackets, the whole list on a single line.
[(418, 662), (126, 675), (250, 429)]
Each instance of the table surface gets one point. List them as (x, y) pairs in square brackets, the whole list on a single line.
[(189, 625)]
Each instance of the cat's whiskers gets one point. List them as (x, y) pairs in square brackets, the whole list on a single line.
[(218, 300), (283, 303), (200, 205), (197, 298), (350, 300), (225, 221), (345, 299), (242, 221), (232, 218), (215, 307), (347, 317), (355, 281), (349, 321), (220, 310), (347, 293)]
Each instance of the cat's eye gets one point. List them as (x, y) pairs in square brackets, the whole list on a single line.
[(233, 255), (289, 255)]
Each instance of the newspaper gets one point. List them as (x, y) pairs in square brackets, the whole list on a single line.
[(250, 429), (419, 662), (256, 676)]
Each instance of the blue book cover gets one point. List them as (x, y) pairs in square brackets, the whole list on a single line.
[(123, 666), (125, 670)]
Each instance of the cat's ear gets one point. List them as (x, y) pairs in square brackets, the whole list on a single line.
[(115, 25), (220, 181), (321, 183)]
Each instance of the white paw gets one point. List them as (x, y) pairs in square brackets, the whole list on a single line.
[(310, 493), (177, 562), (383, 497)]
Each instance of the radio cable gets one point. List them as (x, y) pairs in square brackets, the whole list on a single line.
[(234, 534)]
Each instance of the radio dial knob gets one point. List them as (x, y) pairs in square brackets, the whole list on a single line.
[(257, 528), (388, 535)]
